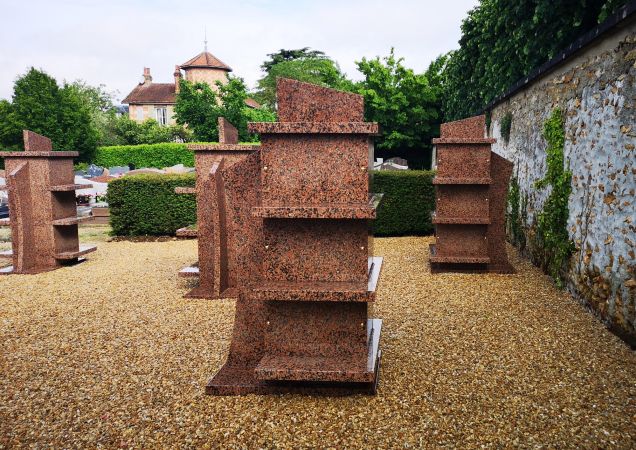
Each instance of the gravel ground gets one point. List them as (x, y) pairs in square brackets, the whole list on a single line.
[(108, 354)]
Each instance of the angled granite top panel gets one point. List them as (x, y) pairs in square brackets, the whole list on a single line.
[(305, 102), (473, 127), (314, 127), (34, 142)]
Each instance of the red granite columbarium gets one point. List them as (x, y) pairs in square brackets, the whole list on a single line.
[(471, 188), (218, 257), (307, 278), (42, 208)]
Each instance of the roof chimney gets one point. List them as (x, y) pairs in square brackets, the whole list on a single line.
[(177, 78), (147, 77)]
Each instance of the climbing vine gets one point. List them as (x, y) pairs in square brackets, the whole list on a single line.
[(506, 126), (516, 215), (552, 220)]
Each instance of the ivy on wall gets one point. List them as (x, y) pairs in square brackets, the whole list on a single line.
[(506, 126), (552, 233), (516, 215)]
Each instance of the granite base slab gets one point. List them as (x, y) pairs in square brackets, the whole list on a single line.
[(8, 270), (437, 268), (239, 381), (204, 293)]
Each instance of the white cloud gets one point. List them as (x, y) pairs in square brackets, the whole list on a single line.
[(110, 42)]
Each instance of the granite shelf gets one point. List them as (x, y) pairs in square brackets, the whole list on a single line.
[(449, 180), (316, 368), (320, 291), (69, 187), (333, 211), (224, 147), (464, 141), (313, 127), (330, 211), (457, 259), (461, 220), (83, 250), (67, 221), (40, 154)]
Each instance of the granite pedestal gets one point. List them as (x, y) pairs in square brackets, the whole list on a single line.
[(307, 284), (471, 189), (217, 257), (42, 208)]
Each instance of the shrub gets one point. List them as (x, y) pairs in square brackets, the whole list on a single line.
[(409, 199), (145, 155), (147, 204)]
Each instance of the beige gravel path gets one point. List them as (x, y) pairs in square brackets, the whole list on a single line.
[(108, 354)]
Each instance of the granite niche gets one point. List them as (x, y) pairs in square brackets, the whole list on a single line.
[(471, 189), (217, 211), (296, 216), (42, 208)]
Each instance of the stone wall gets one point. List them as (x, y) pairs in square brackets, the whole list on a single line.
[(596, 90)]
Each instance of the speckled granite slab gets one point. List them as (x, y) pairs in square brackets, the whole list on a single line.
[(471, 187)]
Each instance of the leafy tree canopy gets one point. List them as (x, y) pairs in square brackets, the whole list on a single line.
[(59, 113), (199, 106), (290, 55), (402, 102), (503, 41)]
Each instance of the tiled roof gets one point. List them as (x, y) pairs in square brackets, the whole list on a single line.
[(154, 93), (206, 59)]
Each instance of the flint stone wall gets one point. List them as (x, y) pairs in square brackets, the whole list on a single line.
[(596, 90)]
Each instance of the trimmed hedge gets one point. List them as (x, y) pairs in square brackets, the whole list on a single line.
[(409, 199), (147, 205), (144, 155)]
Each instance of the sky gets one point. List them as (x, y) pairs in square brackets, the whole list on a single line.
[(109, 42)]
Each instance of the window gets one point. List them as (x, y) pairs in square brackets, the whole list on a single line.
[(162, 115), (140, 113)]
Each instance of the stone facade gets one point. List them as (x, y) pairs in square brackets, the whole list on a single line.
[(209, 76), (596, 90)]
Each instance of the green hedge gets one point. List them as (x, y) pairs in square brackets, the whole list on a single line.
[(144, 155), (409, 199), (147, 205)]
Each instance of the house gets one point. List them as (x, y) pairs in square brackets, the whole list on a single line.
[(150, 100)]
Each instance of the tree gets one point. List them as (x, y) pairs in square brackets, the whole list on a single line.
[(40, 105), (306, 67), (290, 55), (199, 106), (401, 101)]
